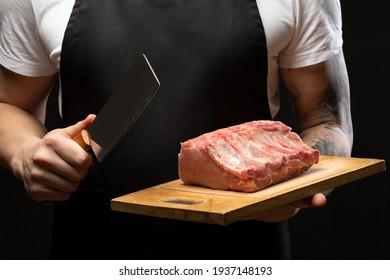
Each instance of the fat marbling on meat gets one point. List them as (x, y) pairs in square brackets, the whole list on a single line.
[(247, 157)]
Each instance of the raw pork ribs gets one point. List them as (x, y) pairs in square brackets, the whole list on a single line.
[(246, 157)]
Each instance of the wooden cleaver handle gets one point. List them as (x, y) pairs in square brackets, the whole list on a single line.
[(83, 139)]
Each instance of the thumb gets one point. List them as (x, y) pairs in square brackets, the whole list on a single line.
[(75, 129), (316, 200)]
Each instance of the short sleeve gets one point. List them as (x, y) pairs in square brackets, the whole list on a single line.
[(21, 49), (317, 33)]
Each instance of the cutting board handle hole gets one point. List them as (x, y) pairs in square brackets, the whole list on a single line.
[(183, 201)]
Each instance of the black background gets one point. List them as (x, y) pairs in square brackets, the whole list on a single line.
[(355, 224)]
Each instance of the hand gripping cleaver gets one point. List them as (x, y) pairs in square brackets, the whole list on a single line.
[(122, 109)]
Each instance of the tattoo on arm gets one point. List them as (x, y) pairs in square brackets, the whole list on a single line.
[(328, 138), (321, 100)]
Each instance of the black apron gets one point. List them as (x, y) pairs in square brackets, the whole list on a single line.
[(211, 59)]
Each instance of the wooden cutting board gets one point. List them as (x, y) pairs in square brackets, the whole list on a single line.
[(175, 200)]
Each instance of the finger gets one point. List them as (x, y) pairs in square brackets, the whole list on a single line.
[(42, 193), (277, 214), (77, 158), (316, 200), (74, 155), (42, 185), (73, 130), (65, 170), (286, 211), (43, 177), (62, 156)]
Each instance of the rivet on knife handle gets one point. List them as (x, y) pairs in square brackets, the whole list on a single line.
[(83, 139)]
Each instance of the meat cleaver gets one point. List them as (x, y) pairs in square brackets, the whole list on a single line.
[(122, 109)]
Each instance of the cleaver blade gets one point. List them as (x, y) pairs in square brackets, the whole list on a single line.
[(122, 109)]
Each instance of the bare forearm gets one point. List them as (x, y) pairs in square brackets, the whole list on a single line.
[(50, 164), (17, 128)]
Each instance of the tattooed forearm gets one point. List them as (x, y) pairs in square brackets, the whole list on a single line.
[(333, 101), (321, 99), (329, 139), (329, 148), (325, 147)]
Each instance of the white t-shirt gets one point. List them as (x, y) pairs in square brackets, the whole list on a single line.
[(298, 32)]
